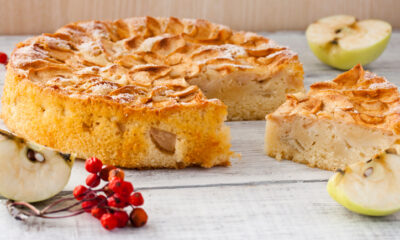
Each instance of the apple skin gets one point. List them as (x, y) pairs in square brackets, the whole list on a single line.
[(339, 196), (346, 59)]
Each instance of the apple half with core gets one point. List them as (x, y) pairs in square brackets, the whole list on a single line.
[(370, 188), (31, 172), (342, 42)]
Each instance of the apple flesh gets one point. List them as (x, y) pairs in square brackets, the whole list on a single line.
[(31, 172), (369, 188), (343, 42)]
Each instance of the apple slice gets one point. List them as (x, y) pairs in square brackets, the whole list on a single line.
[(342, 42), (31, 172), (369, 188)]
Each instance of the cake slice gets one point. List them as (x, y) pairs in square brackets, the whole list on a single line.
[(349, 119)]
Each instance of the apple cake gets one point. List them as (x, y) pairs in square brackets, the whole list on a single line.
[(145, 92), (339, 122)]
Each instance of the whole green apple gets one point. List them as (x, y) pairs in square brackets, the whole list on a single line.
[(342, 42)]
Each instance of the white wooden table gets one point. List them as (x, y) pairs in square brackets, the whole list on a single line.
[(256, 198)]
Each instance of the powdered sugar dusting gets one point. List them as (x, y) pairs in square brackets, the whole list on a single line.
[(26, 55)]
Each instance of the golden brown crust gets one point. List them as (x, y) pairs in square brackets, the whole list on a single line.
[(356, 97), (142, 62)]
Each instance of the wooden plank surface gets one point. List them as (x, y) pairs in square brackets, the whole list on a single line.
[(36, 16), (256, 198)]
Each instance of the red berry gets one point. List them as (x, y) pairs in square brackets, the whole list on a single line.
[(79, 192), (93, 165), (93, 180), (113, 202), (122, 218), (119, 173), (115, 185), (124, 198), (98, 212), (88, 205), (105, 172), (117, 201), (109, 221), (138, 217), (107, 191), (126, 188), (136, 199), (90, 195), (3, 58), (101, 200)]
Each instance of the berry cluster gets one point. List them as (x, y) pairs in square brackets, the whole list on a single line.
[(109, 202), (3, 58)]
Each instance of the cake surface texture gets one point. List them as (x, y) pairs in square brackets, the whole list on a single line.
[(145, 92), (339, 122)]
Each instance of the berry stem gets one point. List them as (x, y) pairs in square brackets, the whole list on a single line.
[(113, 208), (43, 214), (44, 210), (34, 210), (80, 211), (63, 209)]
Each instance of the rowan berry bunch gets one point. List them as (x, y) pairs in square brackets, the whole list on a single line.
[(107, 203)]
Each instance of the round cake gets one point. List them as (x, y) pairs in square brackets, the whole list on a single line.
[(145, 92)]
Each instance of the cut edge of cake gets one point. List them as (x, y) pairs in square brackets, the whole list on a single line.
[(339, 122), (250, 94)]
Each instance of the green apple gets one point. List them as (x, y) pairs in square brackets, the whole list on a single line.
[(31, 172), (370, 188), (342, 42)]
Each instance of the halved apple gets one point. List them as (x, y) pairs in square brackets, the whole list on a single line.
[(369, 188), (31, 172), (342, 42)]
